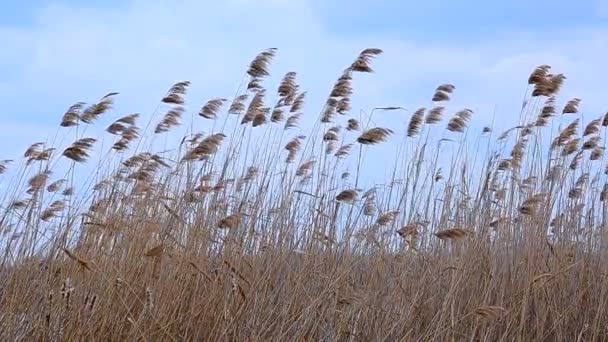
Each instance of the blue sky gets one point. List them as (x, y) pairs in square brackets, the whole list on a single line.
[(422, 20), (458, 21), (62, 51)]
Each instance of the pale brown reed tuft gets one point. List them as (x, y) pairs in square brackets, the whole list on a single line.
[(460, 120), (571, 106), (407, 231), (517, 153), (230, 222), (434, 115), (453, 234), (4, 165), (347, 196), (79, 150), (175, 94), (277, 115), (206, 147), (238, 104), (343, 151), (121, 125), (343, 106), (547, 112), (442, 93), (597, 153), (260, 118), (56, 185), (255, 85), (129, 119), (260, 65), (440, 96), (591, 143), (547, 84), (331, 105), (330, 135), (128, 135), (539, 74), (570, 147), (298, 103), (94, 111), (530, 205), (604, 193), (19, 204), (33, 150), (446, 87), (293, 146), (116, 128), (504, 165), (353, 125), (387, 218), (566, 134), (374, 136), (251, 174), (363, 61), (576, 160), (288, 85), (369, 207), (72, 115), (169, 120), (255, 108), (343, 86), (36, 152), (211, 109), (38, 181), (305, 168), (592, 127), (52, 210), (293, 121)]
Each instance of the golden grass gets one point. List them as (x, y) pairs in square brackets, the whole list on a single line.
[(253, 230)]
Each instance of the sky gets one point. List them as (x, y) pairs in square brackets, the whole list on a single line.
[(58, 52)]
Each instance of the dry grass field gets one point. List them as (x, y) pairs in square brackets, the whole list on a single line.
[(254, 230)]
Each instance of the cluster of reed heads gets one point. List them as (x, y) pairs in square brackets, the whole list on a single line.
[(259, 231)]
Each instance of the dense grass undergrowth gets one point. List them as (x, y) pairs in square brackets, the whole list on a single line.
[(257, 230)]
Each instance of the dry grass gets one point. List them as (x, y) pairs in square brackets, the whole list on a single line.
[(254, 230)]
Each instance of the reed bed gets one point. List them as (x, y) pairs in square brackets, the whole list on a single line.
[(247, 227)]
